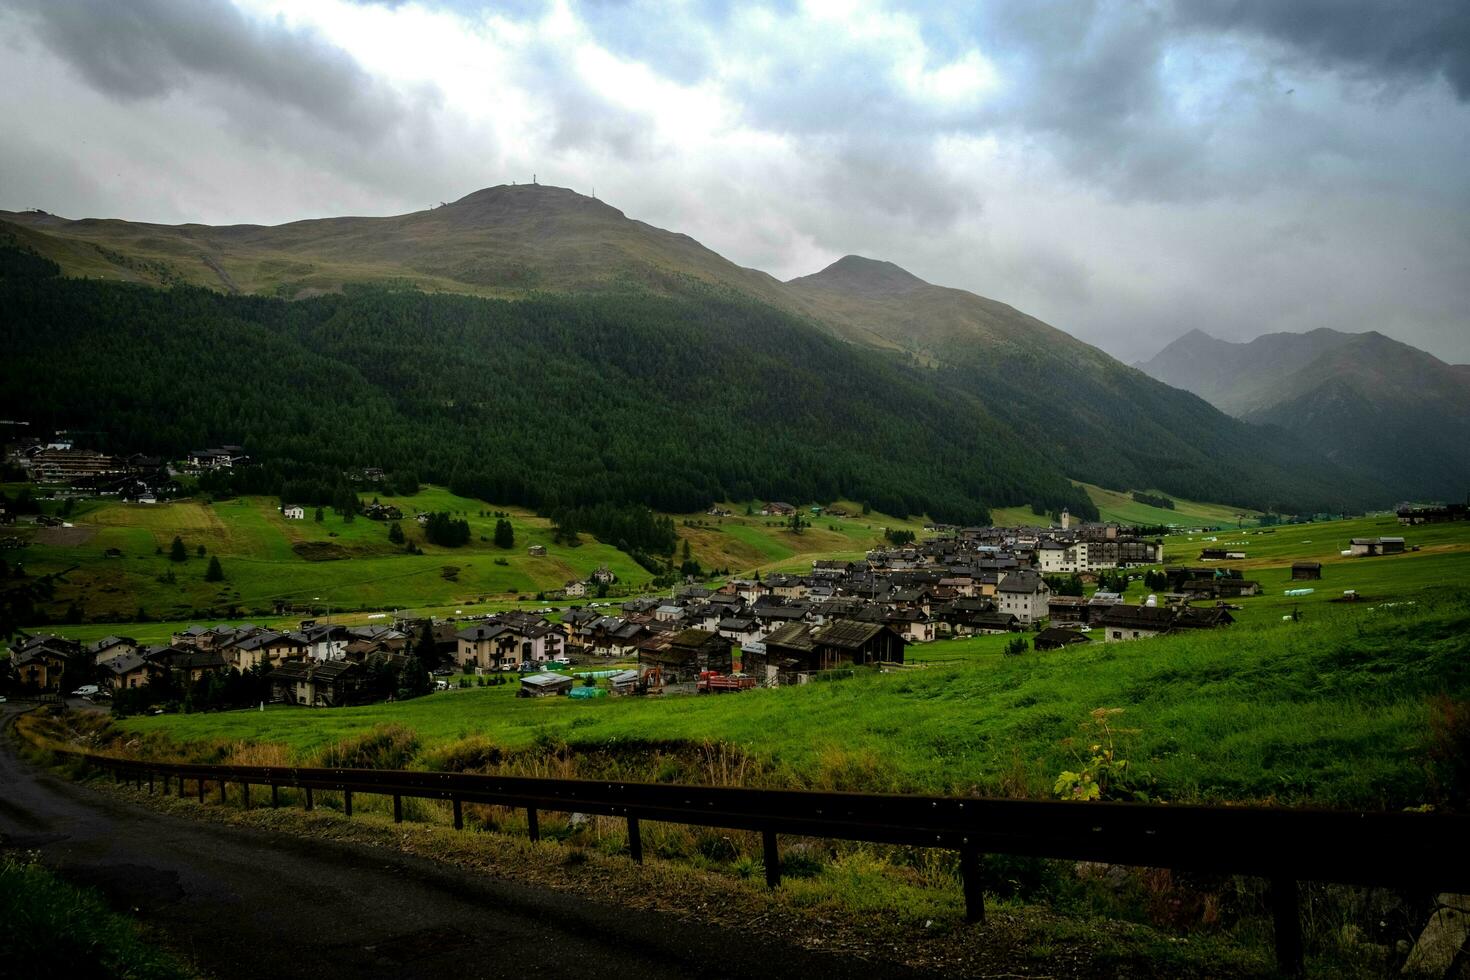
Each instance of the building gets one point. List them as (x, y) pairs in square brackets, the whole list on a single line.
[(545, 685), (128, 670), (1369, 547), (1023, 595), (1306, 571), (293, 512), (799, 649), (1124, 622), (487, 647), (689, 652), (328, 684), (40, 663), (1055, 638), (537, 551)]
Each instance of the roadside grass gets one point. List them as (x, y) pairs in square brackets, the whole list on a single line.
[(1330, 711), (55, 929)]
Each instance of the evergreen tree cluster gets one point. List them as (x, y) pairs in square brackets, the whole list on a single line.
[(446, 530), (1153, 500), (505, 534)]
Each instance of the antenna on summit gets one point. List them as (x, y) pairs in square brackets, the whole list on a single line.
[(533, 178)]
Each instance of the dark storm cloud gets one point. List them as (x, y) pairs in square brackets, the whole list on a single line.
[(1379, 40), (147, 49)]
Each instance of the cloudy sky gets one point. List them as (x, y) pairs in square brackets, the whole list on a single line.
[(1126, 171)]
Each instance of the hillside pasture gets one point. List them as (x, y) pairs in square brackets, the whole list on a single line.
[(1332, 710)]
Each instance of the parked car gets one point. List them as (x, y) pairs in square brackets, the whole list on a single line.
[(560, 661), (85, 691)]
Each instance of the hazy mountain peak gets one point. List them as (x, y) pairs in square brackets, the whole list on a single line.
[(864, 277)]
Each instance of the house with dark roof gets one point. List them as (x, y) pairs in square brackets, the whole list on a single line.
[(1056, 638), (798, 649), (488, 646), (40, 663), (313, 684), (1023, 594), (128, 670), (687, 653)]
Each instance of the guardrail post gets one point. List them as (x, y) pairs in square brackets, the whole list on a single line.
[(275, 796), (458, 814), (970, 875), (772, 858), (201, 789), (167, 780), (347, 802), (635, 840), (1287, 923), (309, 801), (150, 782), (245, 795), (222, 789), (397, 808), (533, 823), (116, 775)]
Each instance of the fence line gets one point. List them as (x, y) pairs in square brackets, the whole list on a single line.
[(1424, 851)]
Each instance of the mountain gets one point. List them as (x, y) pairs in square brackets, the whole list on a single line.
[(1103, 422), (1371, 403), (1038, 403)]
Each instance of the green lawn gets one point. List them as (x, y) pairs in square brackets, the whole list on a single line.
[(1330, 710), (268, 559)]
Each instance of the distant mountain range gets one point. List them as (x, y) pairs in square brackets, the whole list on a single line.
[(1371, 403), (1035, 404)]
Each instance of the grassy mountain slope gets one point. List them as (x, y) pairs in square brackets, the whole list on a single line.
[(1379, 406), (1102, 422), (669, 402), (1028, 383)]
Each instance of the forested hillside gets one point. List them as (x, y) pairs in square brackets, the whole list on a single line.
[(1379, 406), (1101, 421), (667, 374), (549, 402)]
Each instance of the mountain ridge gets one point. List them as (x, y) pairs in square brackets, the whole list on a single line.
[(1081, 410), (1366, 399)]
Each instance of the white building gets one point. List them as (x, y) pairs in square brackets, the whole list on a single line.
[(294, 512)]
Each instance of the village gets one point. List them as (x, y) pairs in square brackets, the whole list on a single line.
[(1051, 586), (739, 634)]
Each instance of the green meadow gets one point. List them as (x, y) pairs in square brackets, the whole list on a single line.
[(331, 565), (116, 558), (1331, 710)]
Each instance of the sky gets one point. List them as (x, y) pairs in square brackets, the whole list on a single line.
[(1125, 171)]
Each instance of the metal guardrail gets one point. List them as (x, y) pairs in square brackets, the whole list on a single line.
[(1424, 851)]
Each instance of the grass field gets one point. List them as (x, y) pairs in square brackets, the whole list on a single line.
[(1121, 507), (267, 559), (339, 566), (1443, 558), (1331, 710), (747, 544), (1113, 505)]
